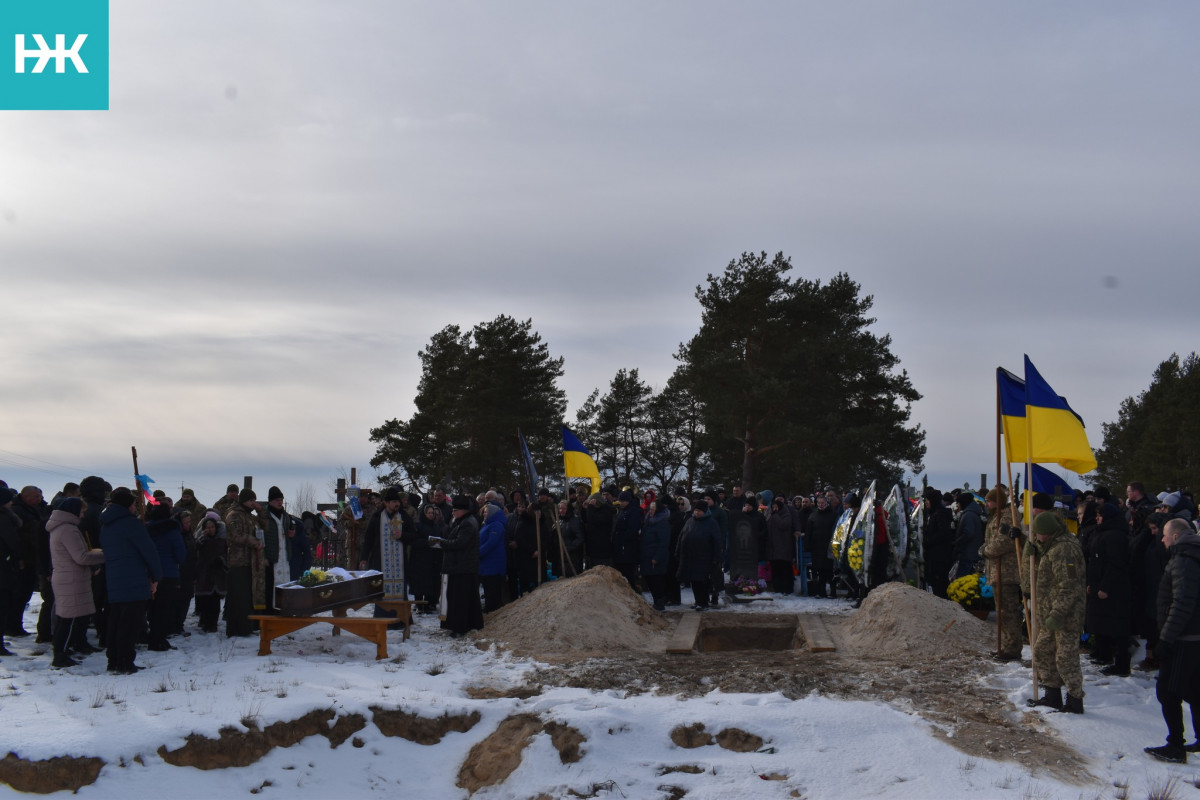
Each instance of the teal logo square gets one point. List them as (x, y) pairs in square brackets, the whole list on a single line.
[(54, 55)]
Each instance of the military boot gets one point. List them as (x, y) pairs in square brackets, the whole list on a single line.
[(1051, 698), (1074, 705)]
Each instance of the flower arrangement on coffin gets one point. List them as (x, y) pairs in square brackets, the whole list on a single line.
[(972, 592), (748, 586), (318, 577)]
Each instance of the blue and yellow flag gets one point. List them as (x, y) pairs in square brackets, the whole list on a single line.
[(577, 461), (1043, 480), (1012, 414), (1055, 432)]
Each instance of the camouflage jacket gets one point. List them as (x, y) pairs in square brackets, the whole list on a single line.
[(1058, 566), (999, 550), (241, 533)]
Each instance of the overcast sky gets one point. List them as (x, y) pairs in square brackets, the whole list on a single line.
[(233, 268)]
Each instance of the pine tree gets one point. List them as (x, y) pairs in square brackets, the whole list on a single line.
[(1156, 437), (476, 390), (792, 382)]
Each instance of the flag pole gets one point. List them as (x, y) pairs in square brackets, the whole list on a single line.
[(137, 482), (1026, 518), (999, 567)]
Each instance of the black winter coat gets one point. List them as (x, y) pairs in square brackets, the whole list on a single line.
[(968, 538), (598, 521), (1179, 593), (699, 548), (939, 536), (627, 535), (460, 550), (1108, 572), (821, 524), (10, 548), (1154, 564), (424, 564)]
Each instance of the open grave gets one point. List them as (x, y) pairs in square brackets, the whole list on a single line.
[(723, 633)]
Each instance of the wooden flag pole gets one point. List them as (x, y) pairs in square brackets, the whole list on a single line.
[(999, 588), (137, 482)]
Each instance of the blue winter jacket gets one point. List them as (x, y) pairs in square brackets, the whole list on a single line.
[(168, 542), (656, 543), (130, 560), (492, 559)]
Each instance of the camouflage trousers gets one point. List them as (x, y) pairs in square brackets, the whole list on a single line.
[(1056, 659), (1012, 619)]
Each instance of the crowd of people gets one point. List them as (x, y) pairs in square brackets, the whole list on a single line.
[(130, 567), (1091, 568)]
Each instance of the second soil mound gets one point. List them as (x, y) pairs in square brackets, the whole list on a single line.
[(899, 619)]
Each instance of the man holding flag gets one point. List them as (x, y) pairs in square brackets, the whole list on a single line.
[(1039, 426)]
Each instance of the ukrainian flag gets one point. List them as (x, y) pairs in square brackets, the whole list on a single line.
[(1012, 414), (1054, 432), (577, 461)]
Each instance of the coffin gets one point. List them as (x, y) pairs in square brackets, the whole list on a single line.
[(295, 600)]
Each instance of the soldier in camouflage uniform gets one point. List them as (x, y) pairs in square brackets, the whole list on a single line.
[(1057, 564), (1003, 575)]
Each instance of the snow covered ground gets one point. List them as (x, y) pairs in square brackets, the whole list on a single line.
[(814, 747)]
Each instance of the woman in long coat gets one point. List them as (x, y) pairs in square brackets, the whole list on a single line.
[(1108, 596), (699, 552), (71, 576), (781, 547)]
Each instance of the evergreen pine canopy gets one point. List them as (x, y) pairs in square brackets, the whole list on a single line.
[(476, 390), (1156, 438), (783, 384), (793, 386)]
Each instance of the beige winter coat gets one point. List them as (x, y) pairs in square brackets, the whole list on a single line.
[(71, 563)]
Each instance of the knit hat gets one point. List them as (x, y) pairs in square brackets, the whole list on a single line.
[(247, 495), (187, 493), (851, 501), (1043, 501), (233, 487), (274, 493), (461, 503), (999, 496), (72, 505), (700, 505), (158, 512), (1046, 524), (121, 496), (1171, 500), (627, 497)]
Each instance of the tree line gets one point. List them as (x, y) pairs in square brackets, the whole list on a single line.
[(784, 384), (1156, 436)]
